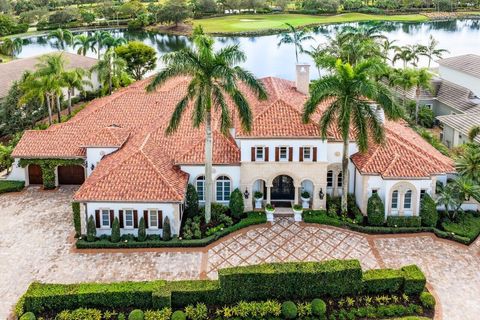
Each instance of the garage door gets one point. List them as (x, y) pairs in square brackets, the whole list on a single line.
[(35, 174), (71, 175)]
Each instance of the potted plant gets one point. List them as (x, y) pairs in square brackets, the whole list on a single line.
[(305, 199), (258, 199), (297, 212), (269, 210)]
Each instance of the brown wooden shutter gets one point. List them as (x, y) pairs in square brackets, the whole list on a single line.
[(145, 217), (160, 219), (253, 154), (112, 216), (266, 154), (290, 154), (277, 154), (97, 218), (301, 154), (135, 218), (120, 217), (314, 154)]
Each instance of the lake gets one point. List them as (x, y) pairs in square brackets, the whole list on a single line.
[(265, 58)]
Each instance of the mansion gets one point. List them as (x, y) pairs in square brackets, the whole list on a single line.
[(129, 168)]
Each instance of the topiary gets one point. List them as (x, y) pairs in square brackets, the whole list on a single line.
[(191, 207), (428, 211), (179, 315), (91, 230), (136, 314), (167, 230), (236, 204), (142, 232), (121, 316), (319, 308), (28, 316), (289, 310), (375, 210), (427, 300), (115, 237)]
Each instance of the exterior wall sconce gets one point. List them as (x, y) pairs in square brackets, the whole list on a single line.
[(92, 167), (246, 194), (320, 194)]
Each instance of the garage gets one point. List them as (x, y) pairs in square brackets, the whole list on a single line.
[(71, 174), (35, 174)]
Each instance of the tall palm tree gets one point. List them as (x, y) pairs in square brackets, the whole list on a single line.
[(295, 36), (11, 47), (422, 80), (214, 75), (112, 42), (74, 80), (63, 37), (111, 71), (431, 50), (348, 90), (408, 54), (98, 39), (404, 79), (38, 90), (84, 43), (387, 46)]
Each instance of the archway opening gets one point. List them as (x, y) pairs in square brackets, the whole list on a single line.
[(283, 191)]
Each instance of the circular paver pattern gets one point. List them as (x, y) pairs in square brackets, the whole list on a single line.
[(36, 245)]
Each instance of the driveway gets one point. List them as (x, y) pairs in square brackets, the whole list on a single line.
[(36, 244)]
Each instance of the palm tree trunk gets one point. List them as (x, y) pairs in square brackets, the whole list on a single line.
[(70, 92), (345, 176), (417, 101), (208, 166), (59, 108), (49, 108)]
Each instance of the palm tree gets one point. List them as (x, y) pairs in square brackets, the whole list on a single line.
[(98, 39), (12, 47), (84, 43), (454, 194), (111, 71), (295, 36), (421, 80), (408, 54), (387, 46), (431, 51), (349, 90), (74, 79), (473, 133), (62, 36), (468, 163), (112, 42), (37, 89), (213, 75), (404, 79)]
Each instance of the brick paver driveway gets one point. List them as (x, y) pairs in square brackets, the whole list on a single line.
[(36, 244)]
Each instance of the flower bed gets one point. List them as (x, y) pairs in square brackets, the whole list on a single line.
[(11, 186), (246, 293)]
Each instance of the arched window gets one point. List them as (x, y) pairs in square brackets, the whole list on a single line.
[(223, 188), (407, 201), (395, 200), (330, 178), (200, 184), (339, 180)]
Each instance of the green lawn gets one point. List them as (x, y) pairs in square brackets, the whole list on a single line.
[(258, 23), (468, 226)]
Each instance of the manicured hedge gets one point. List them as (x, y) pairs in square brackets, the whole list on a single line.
[(11, 186), (76, 218), (394, 221), (382, 281), (186, 293), (414, 279)]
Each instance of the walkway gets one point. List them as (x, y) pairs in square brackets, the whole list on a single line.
[(35, 244)]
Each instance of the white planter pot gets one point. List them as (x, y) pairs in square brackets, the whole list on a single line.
[(297, 215), (270, 215), (305, 203), (258, 203)]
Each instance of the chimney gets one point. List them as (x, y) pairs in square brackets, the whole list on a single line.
[(379, 112), (302, 77)]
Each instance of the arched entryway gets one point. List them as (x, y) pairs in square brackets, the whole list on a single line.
[(35, 174), (283, 191)]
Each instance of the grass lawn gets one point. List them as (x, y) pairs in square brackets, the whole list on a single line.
[(468, 226), (252, 23)]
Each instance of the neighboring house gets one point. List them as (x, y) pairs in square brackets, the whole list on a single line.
[(456, 128), (13, 70), (133, 169)]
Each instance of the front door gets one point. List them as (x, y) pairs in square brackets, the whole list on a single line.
[(35, 174), (283, 188)]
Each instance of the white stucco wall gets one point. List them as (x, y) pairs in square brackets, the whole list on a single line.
[(334, 155), (247, 144), (94, 155), (460, 78), (18, 173)]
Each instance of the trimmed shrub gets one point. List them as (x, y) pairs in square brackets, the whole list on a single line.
[(115, 237), (142, 232), (428, 211), (191, 201), (397, 221), (136, 315), (81, 313), (382, 281), (414, 280), (289, 310), (319, 308), (28, 316), (236, 204), (163, 314), (184, 293), (91, 230), (179, 315), (375, 210), (11, 186), (197, 312), (427, 300), (167, 230), (76, 218)]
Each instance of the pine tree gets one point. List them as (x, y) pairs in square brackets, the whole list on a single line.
[(167, 230), (192, 201), (142, 233), (115, 230), (91, 230)]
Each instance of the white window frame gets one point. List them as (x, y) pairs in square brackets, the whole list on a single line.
[(428, 105), (280, 153), (102, 225), (202, 181), (125, 226), (155, 214), (330, 185), (257, 149), (224, 196), (340, 179), (410, 200), (395, 210), (310, 154)]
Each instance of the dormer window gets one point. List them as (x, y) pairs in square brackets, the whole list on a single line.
[(283, 153)]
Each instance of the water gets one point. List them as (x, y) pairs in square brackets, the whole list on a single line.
[(265, 58)]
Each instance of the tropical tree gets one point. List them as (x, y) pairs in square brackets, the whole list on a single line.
[(213, 76), (139, 57), (421, 80), (11, 47), (84, 44), (402, 78), (62, 36), (39, 90), (468, 163), (113, 42), (98, 39), (408, 54), (74, 79), (454, 194), (294, 36), (388, 46), (111, 71), (349, 90), (473, 133), (431, 50)]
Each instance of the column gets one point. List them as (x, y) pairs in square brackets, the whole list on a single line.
[(268, 193), (295, 199)]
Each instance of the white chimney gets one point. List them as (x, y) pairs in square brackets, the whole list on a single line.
[(302, 77), (379, 112)]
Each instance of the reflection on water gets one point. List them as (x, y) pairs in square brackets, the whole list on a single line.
[(265, 58)]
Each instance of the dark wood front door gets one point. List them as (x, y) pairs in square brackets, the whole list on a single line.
[(35, 174), (71, 175), (283, 188)]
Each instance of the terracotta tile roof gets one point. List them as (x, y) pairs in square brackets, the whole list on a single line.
[(111, 136), (404, 154)]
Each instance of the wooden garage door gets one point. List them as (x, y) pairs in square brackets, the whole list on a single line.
[(35, 174), (71, 175)]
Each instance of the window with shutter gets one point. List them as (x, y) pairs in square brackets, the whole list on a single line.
[(128, 220), (283, 153), (105, 218), (153, 217)]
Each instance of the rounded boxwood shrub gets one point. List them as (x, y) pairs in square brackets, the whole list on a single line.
[(428, 211), (319, 307), (289, 310), (427, 299), (28, 316), (375, 210), (179, 315), (136, 314)]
